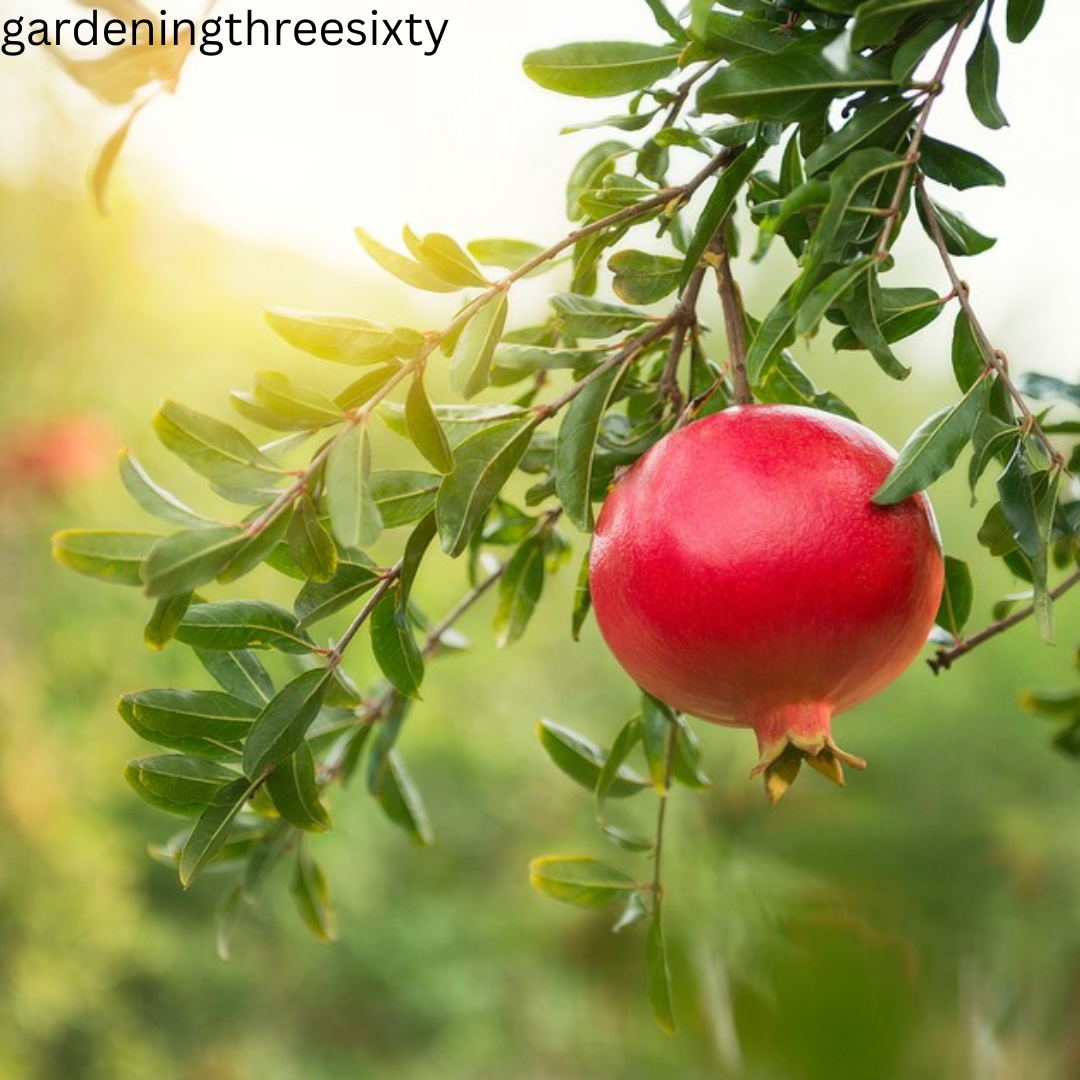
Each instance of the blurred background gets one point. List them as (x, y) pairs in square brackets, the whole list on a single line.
[(925, 923)]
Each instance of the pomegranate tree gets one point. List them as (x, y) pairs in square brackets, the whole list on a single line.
[(741, 572)]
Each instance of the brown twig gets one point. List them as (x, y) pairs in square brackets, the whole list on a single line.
[(944, 658), (994, 358), (933, 91), (686, 315)]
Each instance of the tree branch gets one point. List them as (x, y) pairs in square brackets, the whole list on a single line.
[(944, 658), (734, 317)]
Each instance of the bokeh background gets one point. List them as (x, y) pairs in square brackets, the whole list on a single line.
[(925, 923)]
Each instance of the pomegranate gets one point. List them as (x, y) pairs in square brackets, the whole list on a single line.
[(741, 573)]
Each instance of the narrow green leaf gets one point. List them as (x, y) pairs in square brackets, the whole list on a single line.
[(293, 787), (961, 169), (415, 549), (861, 308), (343, 339), (310, 544), (582, 760), (153, 498), (731, 37), (242, 624), (582, 599), (968, 362), (509, 254), (575, 449), (280, 728), (212, 448), (442, 255), (319, 600), (182, 562), (532, 358), (643, 278), (934, 447), (957, 597), (960, 237), (212, 830), (982, 80), (1021, 17), (395, 648), (311, 894), (581, 881), (354, 514), (624, 744), (178, 783), (404, 269), (720, 203), (657, 721), (830, 293), (114, 557), (401, 802), (584, 317), (484, 463), (520, 589), (776, 332), (424, 428), (202, 722), (877, 22), (596, 69), (239, 673), (880, 124), (665, 20), (304, 407), (165, 620), (659, 976), (470, 370)]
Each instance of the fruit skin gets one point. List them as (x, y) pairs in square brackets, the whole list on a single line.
[(741, 573)]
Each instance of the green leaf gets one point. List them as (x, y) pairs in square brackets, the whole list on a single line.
[(657, 721), (354, 514), (581, 881), (583, 317), (786, 383), (1021, 16), (279, 729), (992, 438), (582, 599), (957, 598), (107, 158), (731, 37), (395, 648), (310, 544), (319, 600), (401, 801), (582, 760), (861, 309), (445, 257), (589, 173), (202, 722), (531, 358), (642, 278), (242, 624), (424, 428), (665, 20), (915, 47), (361, 391), (791, 84), (595, 69), (575, 449), (960, 237), (968, 362), (311, 894), (404, 269), (212, 830), (624, 744), (403, 496), (240, 673), (184, 561), (178, 783), (877, 22), (830, 293), (961, 169), (470, 370), (720, 203), (880, 124), (899, 313), (165, 619), (295, 792), (115, 557), (776, 332), (304, 407), (153, 498), (686, 766), (343, 339), (659, 976), (509, 254), (484, 463), (214, 449), (934, 447), (982, 80), (520, 589)]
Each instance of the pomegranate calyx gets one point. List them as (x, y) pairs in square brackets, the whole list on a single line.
[(782, 758)]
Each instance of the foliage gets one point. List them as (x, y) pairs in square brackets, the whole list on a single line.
[(814, 118)]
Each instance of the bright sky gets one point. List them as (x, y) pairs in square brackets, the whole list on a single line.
[(297, 145)]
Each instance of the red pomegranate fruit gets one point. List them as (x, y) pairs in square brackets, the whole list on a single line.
[(741, 573)]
